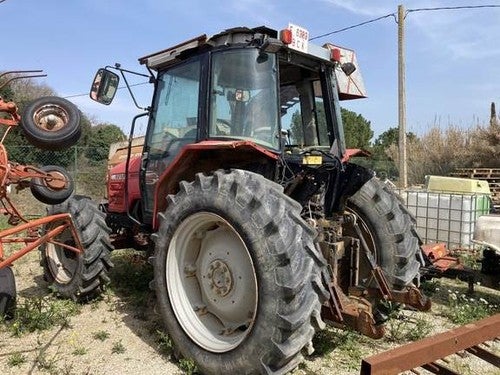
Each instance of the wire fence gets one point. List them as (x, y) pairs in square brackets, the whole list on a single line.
[(87, 165)]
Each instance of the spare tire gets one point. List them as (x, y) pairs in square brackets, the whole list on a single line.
[(53, 189), (51, 123)]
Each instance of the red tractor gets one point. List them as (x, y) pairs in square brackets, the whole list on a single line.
[(258, 226)]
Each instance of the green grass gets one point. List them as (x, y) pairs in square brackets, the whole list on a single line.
[(165, 343), (464, 309), (41, 313), (411, 326), (346, 342), (80, 351), (188, 366), (16, 359), (100, 335), (118, 347), (130, 277), (454, 302)]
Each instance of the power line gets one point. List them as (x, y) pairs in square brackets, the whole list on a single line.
[(453, 8), (408, 11), (354, 26), (119, 88)]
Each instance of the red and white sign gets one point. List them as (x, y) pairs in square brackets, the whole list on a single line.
[(300, 38)]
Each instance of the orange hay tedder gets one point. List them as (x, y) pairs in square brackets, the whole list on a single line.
[(50, 123)]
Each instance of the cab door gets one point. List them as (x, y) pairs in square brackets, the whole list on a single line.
[(172, 125)]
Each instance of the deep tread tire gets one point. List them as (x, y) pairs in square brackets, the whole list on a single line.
[(286, 260), (83, 275), (7, 293), (64, 134), (41, 190), (394, 239)]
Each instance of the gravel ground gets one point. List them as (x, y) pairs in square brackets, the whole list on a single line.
[(133, 344)]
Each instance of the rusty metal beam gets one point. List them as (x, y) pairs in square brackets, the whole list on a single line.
[(432, 348)]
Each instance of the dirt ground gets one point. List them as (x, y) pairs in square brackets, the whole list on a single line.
[(134, 342)]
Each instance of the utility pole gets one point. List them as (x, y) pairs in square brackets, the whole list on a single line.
[(403, 172)]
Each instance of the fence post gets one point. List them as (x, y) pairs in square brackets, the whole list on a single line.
[(75, 173)]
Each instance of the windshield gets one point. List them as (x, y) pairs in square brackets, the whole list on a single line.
[(303, 114), (243, 97)]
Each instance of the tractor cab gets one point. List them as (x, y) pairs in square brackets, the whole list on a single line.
[(274, 91)]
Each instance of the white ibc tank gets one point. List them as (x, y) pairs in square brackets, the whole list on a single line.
[(487, 231), (448, 218)]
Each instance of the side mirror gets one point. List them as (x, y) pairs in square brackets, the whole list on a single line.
[(348, 68), (104, 87)]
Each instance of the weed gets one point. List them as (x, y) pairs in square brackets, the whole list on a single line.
[(324, 342), (16, 359), (188, 366), (118, 347), (464, 309), (430, 287), (165, 343), (402, 327), (345, 341), (131, 276), (100, 335), (80, 351), (45, 363), (349, 343), (36, 314)]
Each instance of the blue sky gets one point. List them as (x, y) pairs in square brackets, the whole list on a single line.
[(453, 57)]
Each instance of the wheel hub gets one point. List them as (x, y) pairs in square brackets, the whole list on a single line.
[(50, 118), (55, 180), (220, 278)]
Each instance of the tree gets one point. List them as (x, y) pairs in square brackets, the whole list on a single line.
[(357, 129), (383, 151), (101, 136)]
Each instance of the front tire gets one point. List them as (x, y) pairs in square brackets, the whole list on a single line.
[(389, 232), (238, 274), (78, 276)]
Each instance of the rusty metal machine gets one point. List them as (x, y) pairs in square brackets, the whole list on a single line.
[(50, 123)]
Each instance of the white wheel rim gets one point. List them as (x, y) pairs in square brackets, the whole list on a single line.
[(51, 118), (211, 282), (62, 262)]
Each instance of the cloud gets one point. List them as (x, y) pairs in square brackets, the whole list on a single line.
[(363, 7), (468, 34)]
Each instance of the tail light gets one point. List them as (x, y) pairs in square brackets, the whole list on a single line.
[(286, 36)]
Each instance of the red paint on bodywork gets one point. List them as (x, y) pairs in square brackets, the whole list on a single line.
[(205, 156)]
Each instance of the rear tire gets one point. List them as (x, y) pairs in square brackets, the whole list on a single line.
[(78, 276), (238, 275), (389, 231)]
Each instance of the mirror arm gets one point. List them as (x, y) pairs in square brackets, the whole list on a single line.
[(119, 67), (130, 91), (152, 79)]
